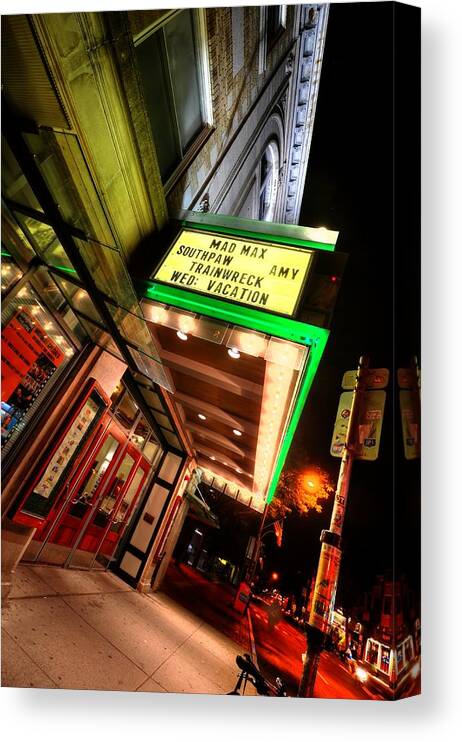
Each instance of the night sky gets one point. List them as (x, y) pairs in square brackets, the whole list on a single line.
[(349, 188)]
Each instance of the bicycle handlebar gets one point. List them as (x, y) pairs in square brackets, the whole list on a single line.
[(251, 672)]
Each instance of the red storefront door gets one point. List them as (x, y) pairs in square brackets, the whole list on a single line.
[(105, 526), (87, 485)]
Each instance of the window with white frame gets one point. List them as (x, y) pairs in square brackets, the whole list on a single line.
[(173, 66), (273, 20), (275, 24), (269, 176)]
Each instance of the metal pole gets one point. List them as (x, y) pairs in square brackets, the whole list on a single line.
[(325, 587), (257, 547)]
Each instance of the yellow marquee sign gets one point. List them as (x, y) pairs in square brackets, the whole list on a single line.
[(261, 274)]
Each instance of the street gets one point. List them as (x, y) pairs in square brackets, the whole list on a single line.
[(279, 649)]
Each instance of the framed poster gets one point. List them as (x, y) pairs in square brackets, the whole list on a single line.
[(40, 500)]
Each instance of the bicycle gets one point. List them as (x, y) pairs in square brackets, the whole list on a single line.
[(249, 672)]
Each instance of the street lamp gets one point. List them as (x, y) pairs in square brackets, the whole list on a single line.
[(311, 481)]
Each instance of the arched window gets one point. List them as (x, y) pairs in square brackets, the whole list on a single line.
[(269, 174)]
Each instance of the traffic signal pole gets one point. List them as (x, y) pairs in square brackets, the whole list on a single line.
[(325, 588)]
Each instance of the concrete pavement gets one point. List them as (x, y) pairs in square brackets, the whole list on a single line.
[(64, 628)]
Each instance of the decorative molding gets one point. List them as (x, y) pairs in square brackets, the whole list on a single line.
[(305, 80)]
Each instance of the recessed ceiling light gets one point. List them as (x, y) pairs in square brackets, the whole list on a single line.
[(239, 471), (213, 458), (237, 432), (182, 335), (201, 416), (234, 352)]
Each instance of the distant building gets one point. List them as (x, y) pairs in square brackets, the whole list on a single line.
[(384, 633)]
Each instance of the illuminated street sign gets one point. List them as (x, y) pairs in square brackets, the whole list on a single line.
[(247, 271), (374, 378), (409, 402), (341, 424), (370, 425)]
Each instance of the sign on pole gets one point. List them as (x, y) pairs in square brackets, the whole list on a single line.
[(409, 403), (373, 378), (341, 424), (408, 378), (325, 588), (370, 425)]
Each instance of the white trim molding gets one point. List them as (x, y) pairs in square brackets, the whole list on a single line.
[(302, 105)]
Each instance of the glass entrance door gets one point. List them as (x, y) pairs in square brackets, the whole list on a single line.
[(111, 518), (65, 532)]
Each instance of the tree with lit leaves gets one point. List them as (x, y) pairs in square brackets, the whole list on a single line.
[(300, 491)]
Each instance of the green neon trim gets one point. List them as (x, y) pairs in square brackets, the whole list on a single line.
[(270, 324), (6, 254), (310, 372), (262, 236)]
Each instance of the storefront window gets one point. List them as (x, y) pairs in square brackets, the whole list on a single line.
[(408, 651), (111, 497), (34, 349), (126, 412), (116, 395), (372, 652), (141, 433), (40, 334), (151, 448), (385, 660), (400, 657), (11, 273), (95, 475), (127, 500)]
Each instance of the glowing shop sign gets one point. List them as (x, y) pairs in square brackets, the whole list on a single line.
[(261, 274)]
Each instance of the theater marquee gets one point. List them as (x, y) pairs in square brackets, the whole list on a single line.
[(260, 274)]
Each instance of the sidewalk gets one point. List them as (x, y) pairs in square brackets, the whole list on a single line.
[(65, 628)]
